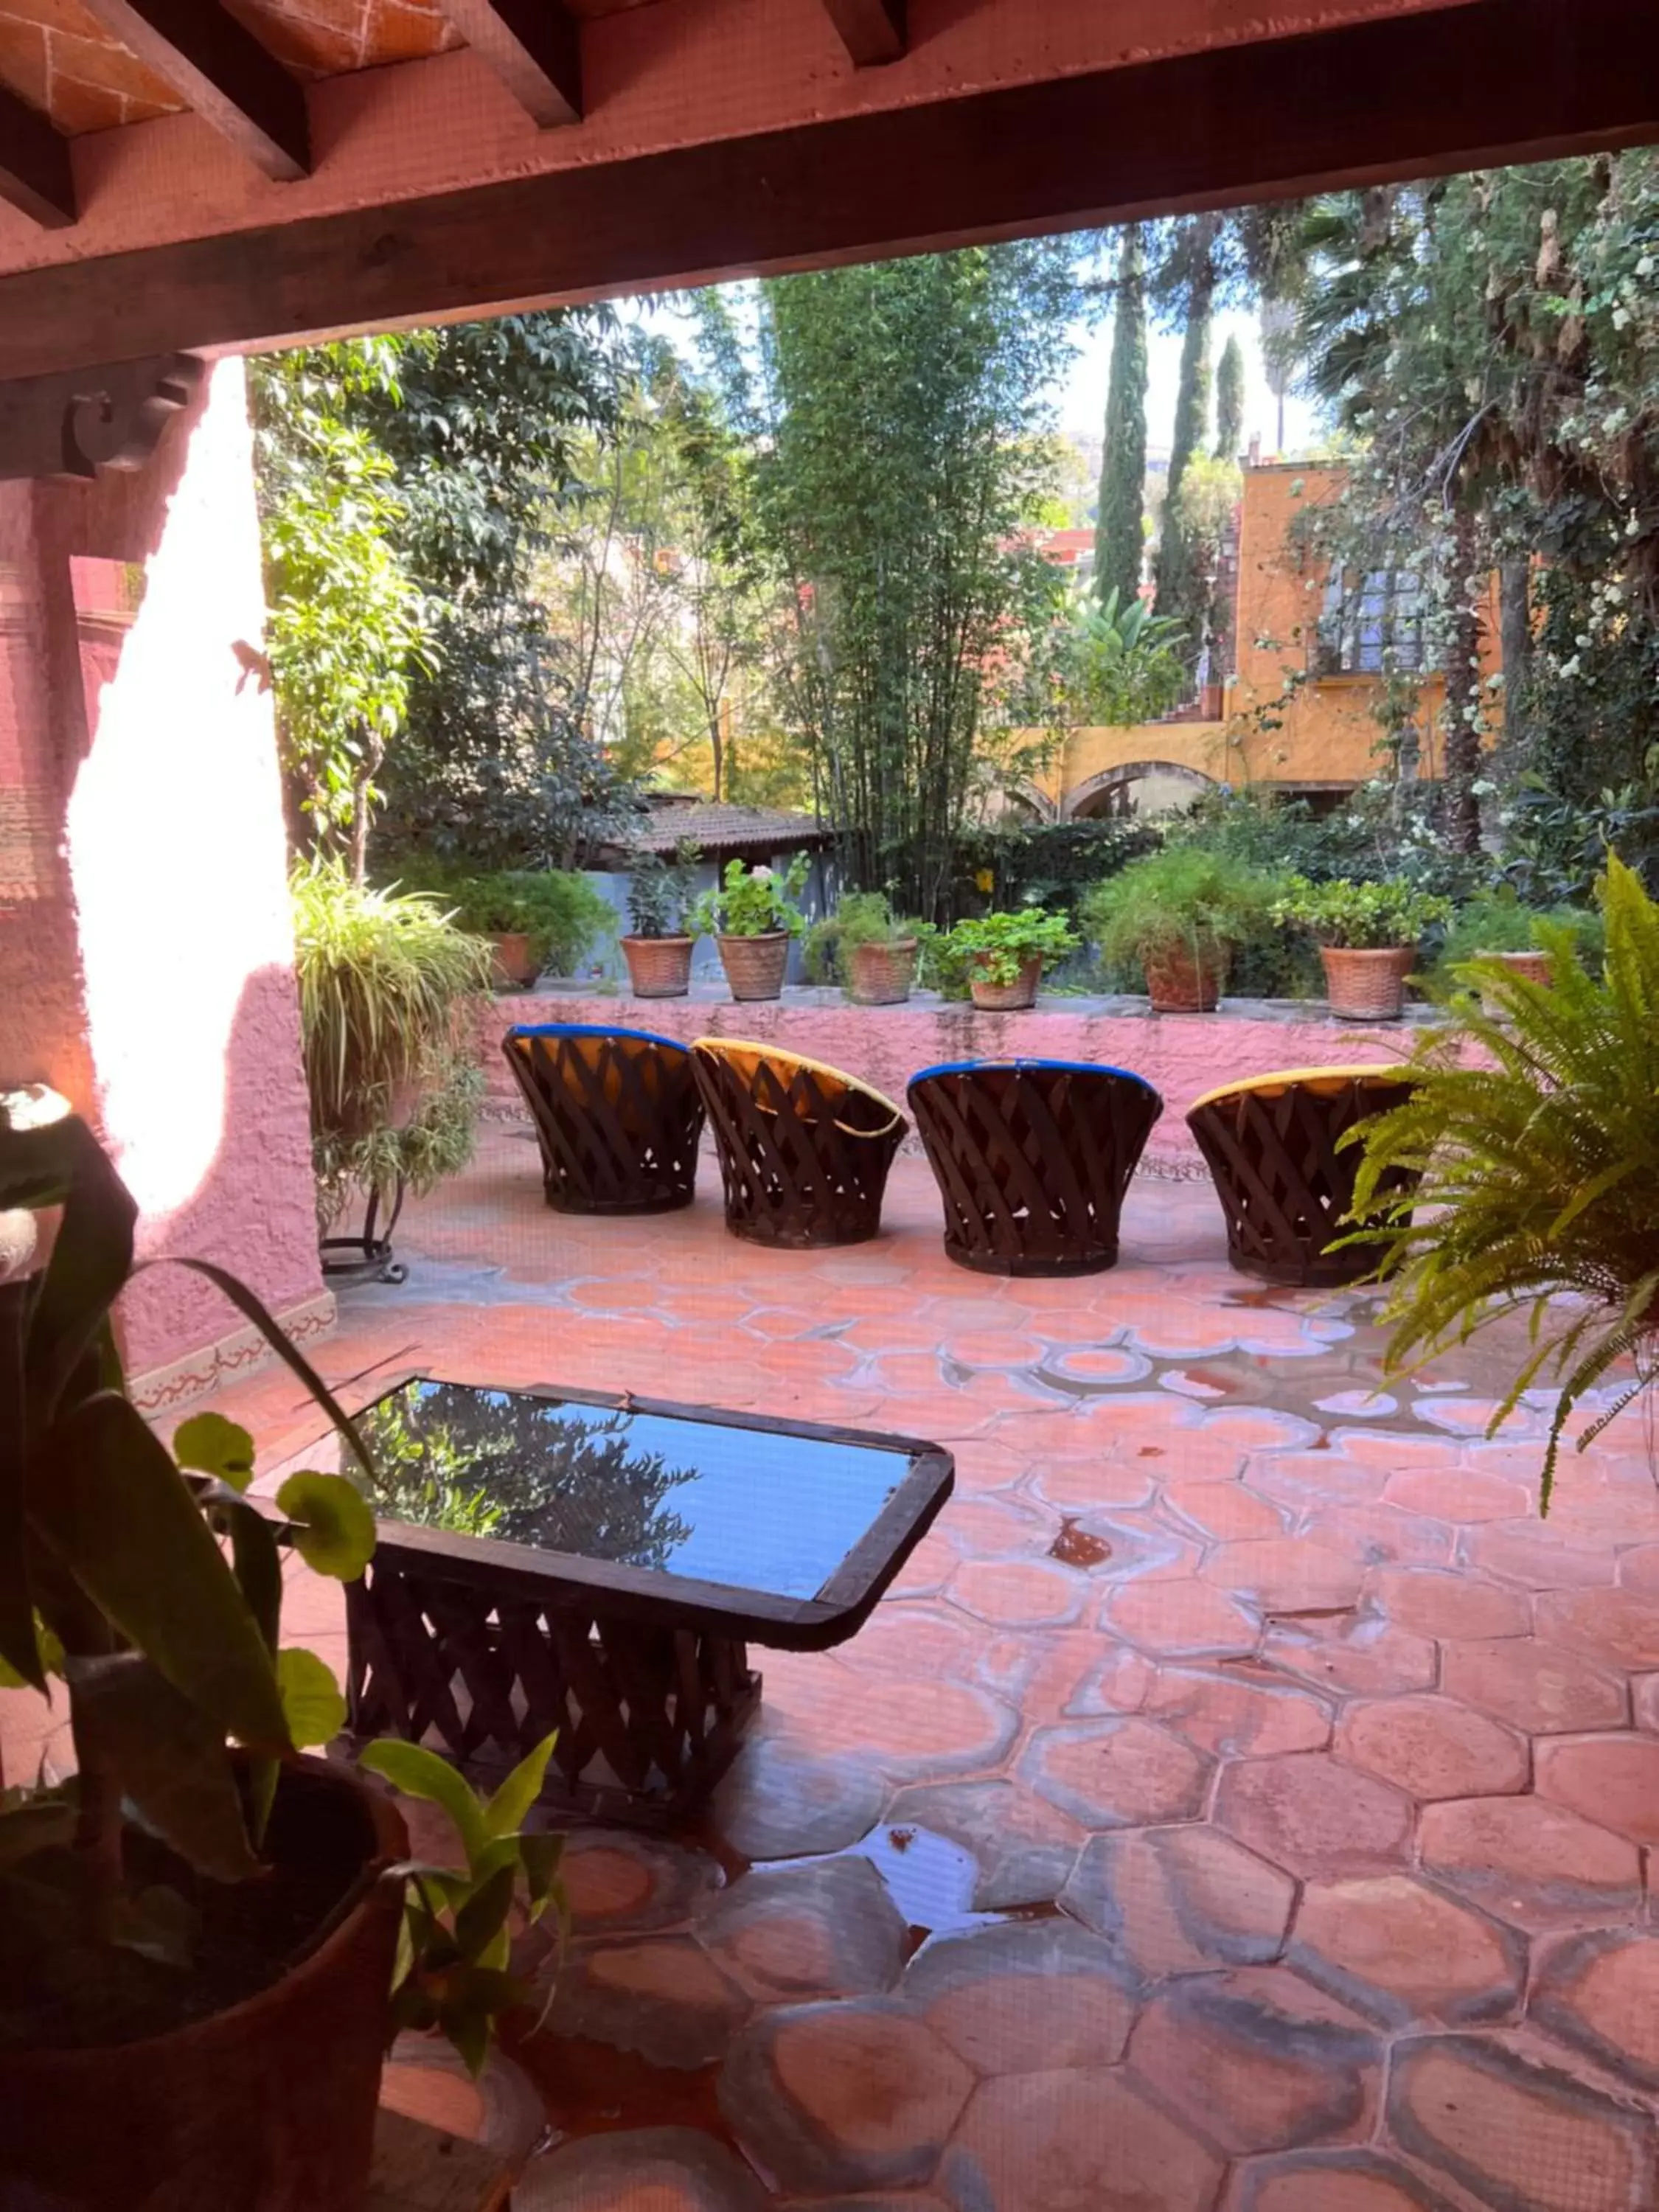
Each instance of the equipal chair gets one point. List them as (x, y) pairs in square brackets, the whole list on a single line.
[(618, 1115)]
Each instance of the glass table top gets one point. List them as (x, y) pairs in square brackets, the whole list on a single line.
[(754, 1508)]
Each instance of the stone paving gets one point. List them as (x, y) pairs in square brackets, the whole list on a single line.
[(1243, 1802)]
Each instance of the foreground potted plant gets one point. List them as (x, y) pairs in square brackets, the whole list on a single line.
[(866, 949), (659, 953), (1531, 1141), (1006, 955), (387, 982), (752, 917), (1368, 937), (201, 1930), (1179, 915)]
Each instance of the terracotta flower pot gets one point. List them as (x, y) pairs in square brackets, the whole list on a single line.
[(514, 970), (883, 974), (1532, 966), (755, 966), (268, 2105), (1005, 998), (1368, 984), (658, 967), (1184, 981)]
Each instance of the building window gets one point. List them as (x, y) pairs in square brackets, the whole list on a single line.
[(1372, 623)]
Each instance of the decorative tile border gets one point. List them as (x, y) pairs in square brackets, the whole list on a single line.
[(164, 1389)]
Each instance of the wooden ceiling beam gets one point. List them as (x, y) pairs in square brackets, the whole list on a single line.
[(1432, 92), (220, 70), (872, 31), (534, 47), (35, 176)]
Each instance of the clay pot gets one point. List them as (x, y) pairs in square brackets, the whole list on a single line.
[(1005, 998), (268, 2106), (1186, 982), (513, 967), (1533, 967), (1368, 984), (755, 966), (881, 974), (658, 967)]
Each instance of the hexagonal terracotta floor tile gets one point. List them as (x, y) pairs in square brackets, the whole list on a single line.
[(1029, 1997), (1434, 1747), (780, 1800), (1258, 2060), (1017, 1593), (1536, 1687), (1618, 1627), (1449, 1605), (623, 1881), (1179, 1900), (1361, 1654), (1529, 1860), (843, 2096), (1117, 1774), (1613, 1780), (669, 2169), (1062, 2142), (1459, 1495), (1330, 2181), (1181, 1620), (1286, 1575), (1314, 1817), (1243, 1713), (1600, 1992), (1402, 1952), (1025, 1848), (660, 1995), (1519, 2135), (828, 1929)]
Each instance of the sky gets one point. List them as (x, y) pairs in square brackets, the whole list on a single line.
[(1083, 397)]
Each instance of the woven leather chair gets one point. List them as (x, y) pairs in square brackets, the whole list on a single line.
[(1272, 1147), (804, 1150), (618, 1115), (1032, 1158)]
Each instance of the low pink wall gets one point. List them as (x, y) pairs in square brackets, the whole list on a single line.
[(1183, 1055)]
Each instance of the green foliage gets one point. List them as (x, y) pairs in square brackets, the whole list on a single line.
[(1497, 922), (997, 946), (658, 891), (859, 918), (753, 902), (1534, 1132), (1230, 403), (1047, 864), (386, 978), (1120, 664), (1363, 917), (561, 913), (1183, 898), (1120, 529), (453, 1960), (1184, 586)]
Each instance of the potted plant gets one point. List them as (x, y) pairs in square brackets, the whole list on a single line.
[(1496, 926), (659, 953), (1532, 1142), (1179, 915), (1006, 955), (752, 917), (1368, 935), (534, 918), (864, 948), (202, 1929), (387, 983)]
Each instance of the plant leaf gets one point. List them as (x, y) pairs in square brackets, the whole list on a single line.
[(483, 1916), (168, 1756), (419, 1773), (91, 1258), (334, 1527), (313, 1705), (213, 1445), (506, 1812)]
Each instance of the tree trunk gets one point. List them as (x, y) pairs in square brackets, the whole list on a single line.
[(1463, 715), (1120, 529)]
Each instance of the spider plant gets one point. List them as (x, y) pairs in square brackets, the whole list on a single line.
[(1534, 1130), (385, 976)]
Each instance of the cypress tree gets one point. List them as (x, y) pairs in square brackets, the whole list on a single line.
[(1120, 527), (1182, 592), (1230, 402)]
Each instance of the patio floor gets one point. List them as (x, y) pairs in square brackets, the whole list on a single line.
[(1242, 1803)]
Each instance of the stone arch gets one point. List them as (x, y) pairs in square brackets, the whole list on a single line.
[(1026, 803), (1111, 791)]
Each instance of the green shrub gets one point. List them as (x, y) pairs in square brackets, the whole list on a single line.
[(998, 945), (562, 915), (1360, 917), (1183, 899), (753, 902), (859, 918), (658, 891), (1497, 922)]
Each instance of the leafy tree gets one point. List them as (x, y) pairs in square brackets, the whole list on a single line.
[(1121, 528), (893, 416), (1230, 402), (1184, 591)]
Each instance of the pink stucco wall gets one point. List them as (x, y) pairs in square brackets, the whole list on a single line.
[(1182, 1055), (174, 977)]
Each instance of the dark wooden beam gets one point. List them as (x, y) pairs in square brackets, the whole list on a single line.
[(224, 72), (870, 30), (34, 165), (74, 424), (532, 47), (1433, 91)]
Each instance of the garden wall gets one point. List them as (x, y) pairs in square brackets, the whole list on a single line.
[(1183, 1054)]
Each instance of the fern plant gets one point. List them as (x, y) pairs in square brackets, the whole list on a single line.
[(1534, 1131)]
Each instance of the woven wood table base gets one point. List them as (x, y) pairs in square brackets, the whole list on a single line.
[(805, 1154), (617, 1119), (648, 1718), (1283, 1183), (1032, 1162)]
